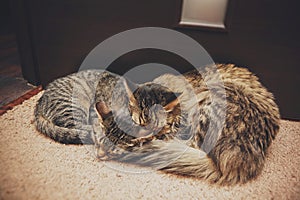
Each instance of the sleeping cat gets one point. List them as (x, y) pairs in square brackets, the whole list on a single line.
[(166, 124), (251, 123), (66, 111)]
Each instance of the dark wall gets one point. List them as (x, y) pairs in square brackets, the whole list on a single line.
[(5, 17), (263, 35)]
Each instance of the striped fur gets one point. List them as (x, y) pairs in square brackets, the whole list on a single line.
[(176, 136), (66, 112), (251, 124)]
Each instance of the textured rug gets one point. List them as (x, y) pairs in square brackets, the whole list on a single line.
[(35, 167)]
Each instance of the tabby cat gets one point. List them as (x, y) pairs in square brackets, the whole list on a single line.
[(167, 121), (238, 153), (66, 111)]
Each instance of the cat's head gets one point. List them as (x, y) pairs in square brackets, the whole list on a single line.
[(150, 101), (148, 104)]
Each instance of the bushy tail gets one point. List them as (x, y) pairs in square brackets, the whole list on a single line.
[(174, 157), (62, 134)]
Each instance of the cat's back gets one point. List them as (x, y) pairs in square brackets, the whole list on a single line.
[(77, 88), (84, 79), (66, 105), (240, 82)]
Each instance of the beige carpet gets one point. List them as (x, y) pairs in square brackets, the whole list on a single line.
[(35, 167)]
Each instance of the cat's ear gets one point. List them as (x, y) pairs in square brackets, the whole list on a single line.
[(130, 87), (172, 101), (103, 110)]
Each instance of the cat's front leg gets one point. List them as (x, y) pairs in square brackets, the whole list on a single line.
[(104, 148), (107, 150)]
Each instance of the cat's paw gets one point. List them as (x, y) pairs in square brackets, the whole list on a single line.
[(104, 147), (102, 155), (107, 150), (141, 141)]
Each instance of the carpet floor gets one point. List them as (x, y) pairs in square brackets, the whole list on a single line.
[(35, 167)]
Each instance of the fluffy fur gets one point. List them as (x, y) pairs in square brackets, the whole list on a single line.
[(174, 123), (239, 150), (66, 111)]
